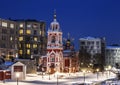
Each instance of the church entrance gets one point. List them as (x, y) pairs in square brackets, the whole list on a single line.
[(52, 68)]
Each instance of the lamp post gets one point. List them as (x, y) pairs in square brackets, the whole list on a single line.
[(109, 68), (49, 74), (106, 71), (42, 72), (57, 77), (54, 71), (4, 76), (97, 73), (84, 75), (17, 76)]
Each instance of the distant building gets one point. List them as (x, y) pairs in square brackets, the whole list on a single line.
[(70, 58), (31, 35), (8, 48), (92, 52), (112, 55)]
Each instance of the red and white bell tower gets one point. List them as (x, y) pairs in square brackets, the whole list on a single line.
[(54, 47)]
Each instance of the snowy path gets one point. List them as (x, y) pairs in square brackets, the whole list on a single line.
[(33, 79)]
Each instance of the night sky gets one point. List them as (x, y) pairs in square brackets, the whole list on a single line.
[(81, 18)]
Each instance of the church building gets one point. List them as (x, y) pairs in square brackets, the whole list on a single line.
[(54, 47)]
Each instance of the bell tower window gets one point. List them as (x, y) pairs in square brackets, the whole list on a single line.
[(53, 39)]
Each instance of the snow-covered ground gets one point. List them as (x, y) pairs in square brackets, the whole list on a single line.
[(62, 79)]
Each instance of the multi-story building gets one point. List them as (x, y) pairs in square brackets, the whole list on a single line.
[(31, 37), (92, 52), (112, 56), (8, 48)]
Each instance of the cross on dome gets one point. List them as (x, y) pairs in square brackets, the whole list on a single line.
[(55, 25)]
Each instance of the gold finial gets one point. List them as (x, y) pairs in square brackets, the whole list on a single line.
[(54, 14)]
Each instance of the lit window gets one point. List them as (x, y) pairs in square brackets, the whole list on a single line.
[(28, 25), (11, 25), (40, 32), (20, 51), (19, 45), (28, 31), (20, 31), (34, 45), (11, 38), (4, 24), (20, 38), (35, 26), (28, 51), (35, 38), (43, 33), (21, 25), (28, 45)]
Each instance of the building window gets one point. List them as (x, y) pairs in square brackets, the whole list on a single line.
[(36, 51), (20, 38), (21, 31), (40, 32), (52, 60), (20, 52), (35, 32), (4, 24), (19, 45), (28, 26), (28, 51), (3, 37), (35, 38), (28, 31), (21, 25), (35, 26), (11, 38), (11, 25), (82, 43), (28, 45), (34, 45), (53, 39), (4, 31)]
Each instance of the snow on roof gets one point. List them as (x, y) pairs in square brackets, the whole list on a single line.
[(8, 63), (89, 38), (112, 47)]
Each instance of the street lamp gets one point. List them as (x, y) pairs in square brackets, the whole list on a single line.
[(54, 71), (4, 76), (106, 71), (49, 74), (84, 74), (17, 76), (109, 68), (42, 72), (69, 72), (57, 77), (97, 72)]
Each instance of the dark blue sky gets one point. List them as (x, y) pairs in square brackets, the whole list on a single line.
[(81, 18)]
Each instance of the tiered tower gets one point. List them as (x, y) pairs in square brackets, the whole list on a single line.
[(54, 47)]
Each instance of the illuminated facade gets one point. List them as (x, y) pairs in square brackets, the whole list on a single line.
[(31, 39), (8, 48), (112, 55), (54, 47)]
